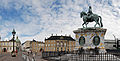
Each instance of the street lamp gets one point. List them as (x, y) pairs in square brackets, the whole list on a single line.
[(13, 33)]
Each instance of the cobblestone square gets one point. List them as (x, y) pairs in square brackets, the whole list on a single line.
[(20, 57)]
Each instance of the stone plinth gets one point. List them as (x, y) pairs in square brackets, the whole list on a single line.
[(89, 38)]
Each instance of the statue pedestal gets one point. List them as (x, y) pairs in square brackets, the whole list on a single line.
[(90, 38)]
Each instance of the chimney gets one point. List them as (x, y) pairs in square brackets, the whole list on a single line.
[(69, 35), (65, 34), (52, 34)]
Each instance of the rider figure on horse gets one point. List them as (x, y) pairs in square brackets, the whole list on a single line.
[(90, 17), (89, 13)]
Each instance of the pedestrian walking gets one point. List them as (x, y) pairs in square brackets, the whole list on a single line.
[(28, 58), (33, 59)]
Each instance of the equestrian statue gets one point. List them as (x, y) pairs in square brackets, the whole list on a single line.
[(90, 17)]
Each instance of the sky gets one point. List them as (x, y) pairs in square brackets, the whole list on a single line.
[(38, 19)]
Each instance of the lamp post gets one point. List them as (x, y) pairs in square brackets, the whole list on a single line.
[(13, 33)]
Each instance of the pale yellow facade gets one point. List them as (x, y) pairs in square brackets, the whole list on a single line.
[(37, 46), (33, 46), (7, 46), (59, 45)]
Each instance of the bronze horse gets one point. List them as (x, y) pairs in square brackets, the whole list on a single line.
[(94, 17)]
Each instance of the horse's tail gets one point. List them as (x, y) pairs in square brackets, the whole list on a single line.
[(101, 21)]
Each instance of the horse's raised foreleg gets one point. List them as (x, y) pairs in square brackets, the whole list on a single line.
[(99, 24), (95, 24), (83, 25), (86, 24)]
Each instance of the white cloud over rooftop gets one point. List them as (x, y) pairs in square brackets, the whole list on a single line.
[(39, 18)]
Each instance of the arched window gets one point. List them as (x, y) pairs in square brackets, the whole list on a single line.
[(96, 40), (82, 40)]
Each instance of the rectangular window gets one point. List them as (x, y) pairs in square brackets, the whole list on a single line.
[(61, 44), (54, 48), (10, 43), (48, 44), (4, 43), (57, 44), (1, 44), (7, 44), (57, 49), (65, 44)]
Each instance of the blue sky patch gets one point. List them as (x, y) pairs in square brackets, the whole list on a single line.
[(31, 18)]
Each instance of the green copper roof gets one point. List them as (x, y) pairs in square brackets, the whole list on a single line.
[(17, 40), (13, 30)]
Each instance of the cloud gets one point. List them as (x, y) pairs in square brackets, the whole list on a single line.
[(37, 19)]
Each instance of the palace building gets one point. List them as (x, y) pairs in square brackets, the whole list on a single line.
[(59, 43), (33, 46), (36, 46), (7, 46)]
